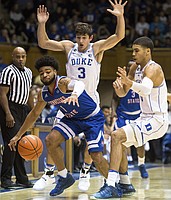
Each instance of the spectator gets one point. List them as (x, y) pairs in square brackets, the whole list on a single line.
[(53, 32), (102, 32), (156, 23), (2, 64), (4, 36), (141, 25), (16, 17)]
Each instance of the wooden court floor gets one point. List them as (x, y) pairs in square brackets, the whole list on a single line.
[(156, 187)]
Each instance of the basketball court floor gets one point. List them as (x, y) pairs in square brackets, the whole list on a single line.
[(156, 187)]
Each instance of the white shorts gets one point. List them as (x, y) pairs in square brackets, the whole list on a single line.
[(144, 129)]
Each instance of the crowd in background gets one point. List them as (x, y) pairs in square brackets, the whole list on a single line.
[(18, 20)]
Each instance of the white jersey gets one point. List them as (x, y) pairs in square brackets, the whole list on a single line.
[(156, 102), (153, 121), (83, 66)]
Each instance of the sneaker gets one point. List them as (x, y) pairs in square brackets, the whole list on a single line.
[(108, 192), (127, 189), (143, 171), (44, 181), (62, 184), (84, 180)]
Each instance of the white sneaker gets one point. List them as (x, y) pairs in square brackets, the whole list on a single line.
[(84, 180), (44, 181)]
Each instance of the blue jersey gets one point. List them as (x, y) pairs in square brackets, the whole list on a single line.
[(72, 123), (128, 109), (87, 107)]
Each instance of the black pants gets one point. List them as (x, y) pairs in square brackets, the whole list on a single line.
[(10, 158)]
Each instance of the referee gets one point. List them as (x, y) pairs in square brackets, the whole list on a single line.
[(15, 84)]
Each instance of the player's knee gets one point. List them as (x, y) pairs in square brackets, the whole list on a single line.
[(118, 136), (49, 140)]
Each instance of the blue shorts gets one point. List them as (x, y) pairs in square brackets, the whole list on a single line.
[(93, 128), (121, 121)]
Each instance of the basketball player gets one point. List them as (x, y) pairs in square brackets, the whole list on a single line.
[(83, 63), (82, 114), (146, 78), (128, 109)]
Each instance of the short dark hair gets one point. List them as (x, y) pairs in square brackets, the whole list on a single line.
[(83, 28), (46, 61), (144, 42), (105, 107)]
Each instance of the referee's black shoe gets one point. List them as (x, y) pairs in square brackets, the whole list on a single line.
[(7, 184), (28, 184)]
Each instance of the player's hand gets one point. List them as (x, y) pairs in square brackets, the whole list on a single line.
[(123, 76), (118, 8), (13, 143), (72, 99), (10, 120), (117, 84), (42, 14)]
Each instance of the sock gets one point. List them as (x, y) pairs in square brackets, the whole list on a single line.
[(112, 178), (63, 173), (124, 178), (86, 167), (141, 161), (118, 178), (49, 169)]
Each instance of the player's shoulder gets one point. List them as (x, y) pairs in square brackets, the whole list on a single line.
[(63, 80), (153, 66)]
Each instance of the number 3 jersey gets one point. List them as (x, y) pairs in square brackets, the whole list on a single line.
[(87, 107), (83, 66)]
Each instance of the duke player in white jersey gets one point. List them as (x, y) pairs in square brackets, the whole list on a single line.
[(81, 114), (83, 63), (147, 79)]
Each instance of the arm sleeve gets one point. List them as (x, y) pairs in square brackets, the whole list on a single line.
[(144, 88), (77, 87)]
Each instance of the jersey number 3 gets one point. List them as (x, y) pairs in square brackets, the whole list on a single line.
[(82, 72)]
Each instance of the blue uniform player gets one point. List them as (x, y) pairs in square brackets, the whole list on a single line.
[(81, 114), (128, 110)]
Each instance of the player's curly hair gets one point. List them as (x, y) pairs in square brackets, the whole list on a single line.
[(46, 61)]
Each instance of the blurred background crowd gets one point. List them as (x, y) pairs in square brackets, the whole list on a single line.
[(18, 21)]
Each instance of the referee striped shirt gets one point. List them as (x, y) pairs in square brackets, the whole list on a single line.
[(19, 82)]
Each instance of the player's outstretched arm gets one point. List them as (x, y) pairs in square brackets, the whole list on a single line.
[(43, 39), (118, 11), (29, 121)]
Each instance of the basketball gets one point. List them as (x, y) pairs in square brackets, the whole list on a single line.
[(30, 147)]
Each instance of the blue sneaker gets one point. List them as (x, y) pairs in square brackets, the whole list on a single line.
[(108, 192), (143, 171), (127, 189), (62, 184)]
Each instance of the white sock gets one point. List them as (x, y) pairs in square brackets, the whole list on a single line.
[(124, 178), (63, 173), (112, 178), (118, 178), (141, 161)]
